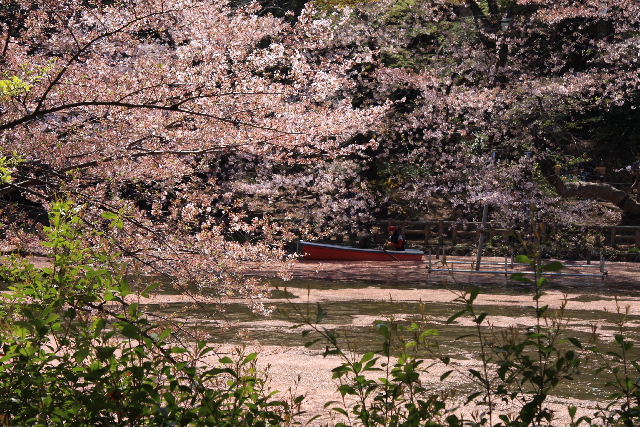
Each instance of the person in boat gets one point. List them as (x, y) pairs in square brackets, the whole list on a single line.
[(396, 241), (634, 168)]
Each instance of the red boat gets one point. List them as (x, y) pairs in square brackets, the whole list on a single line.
[(322, 251)]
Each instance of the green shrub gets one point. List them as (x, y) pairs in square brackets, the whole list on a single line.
[(383, 389), (519, 369), (76, 352)]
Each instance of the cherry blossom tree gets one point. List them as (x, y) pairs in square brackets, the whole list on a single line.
[(541, 83), (198, 123), (174, 118)]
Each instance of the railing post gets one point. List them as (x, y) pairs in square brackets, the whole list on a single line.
[(454, 233), (427, 233), (603, 268), (506, 266), (481, 239), (613, 236)]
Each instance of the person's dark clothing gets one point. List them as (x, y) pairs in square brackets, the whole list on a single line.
[(397, 240)]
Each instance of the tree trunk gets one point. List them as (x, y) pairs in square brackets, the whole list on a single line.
[(592, 190)]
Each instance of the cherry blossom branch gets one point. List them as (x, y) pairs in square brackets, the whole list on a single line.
[(172, 108), (6, 41), (26, 183), (84, 48)]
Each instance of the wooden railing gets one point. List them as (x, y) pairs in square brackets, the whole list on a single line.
[(430, 233)]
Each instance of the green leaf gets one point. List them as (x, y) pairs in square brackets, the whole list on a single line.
[(152, 287), (124, 288), (98, 326), (130, 331), (109, 215), (409, 345), (477, 374), (309, 344), (133, 309), (523, 259), (473, 295), (320, 314), (552, 266), (310, 420), (520, 277), (225, 360), (572, 411), (250, 358), (472, 396), (345, 389), (453, 420), (81, 354), (456, 315), (14, 86), (105, 352), (331, 351), (383, 329), (480, 318), (430, 333), (70, 313), (340, 411), (540, 311), (575, 342), (169, 398), (367, 356), (445, 375)]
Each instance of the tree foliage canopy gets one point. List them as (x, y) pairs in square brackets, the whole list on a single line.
[(171, 115), (195, 122)]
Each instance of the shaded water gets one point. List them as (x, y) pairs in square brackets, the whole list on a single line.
[(354, 321)]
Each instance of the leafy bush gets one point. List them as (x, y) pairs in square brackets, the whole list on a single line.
[(522, 367), (76, 351), (519, 368), (623, 408), (383, 389)]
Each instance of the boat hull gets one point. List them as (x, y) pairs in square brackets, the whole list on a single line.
[(321, 251)]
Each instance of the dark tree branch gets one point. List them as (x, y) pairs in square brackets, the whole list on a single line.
[(86, 47), (478, 14), (591, 190), (173, 108), (26, 183), (6, 41), (493, 7)]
